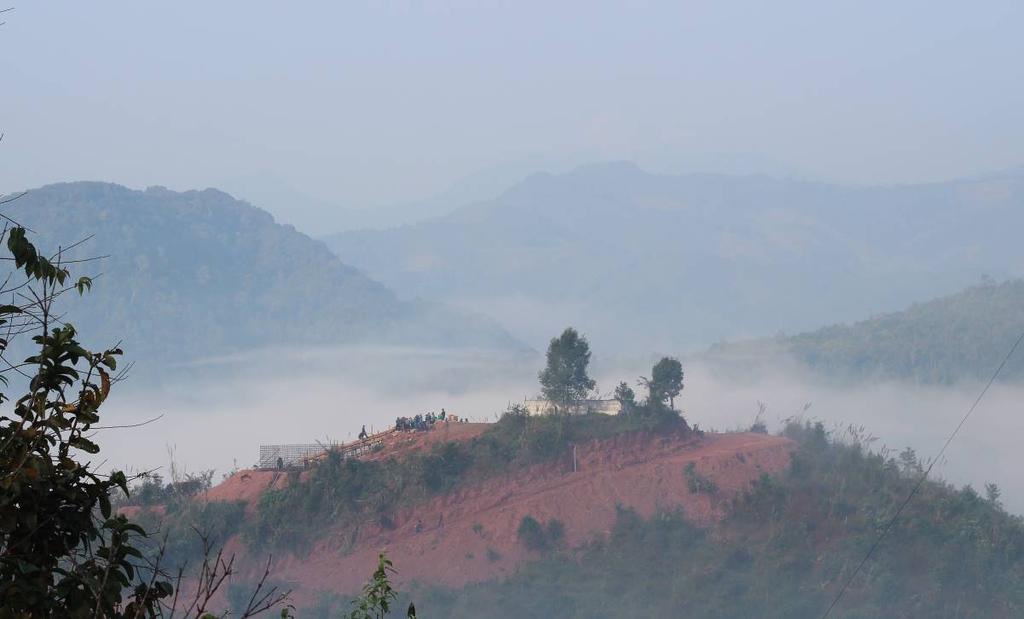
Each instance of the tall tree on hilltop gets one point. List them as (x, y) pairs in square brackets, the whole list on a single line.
[(564, 380), (665, 383)]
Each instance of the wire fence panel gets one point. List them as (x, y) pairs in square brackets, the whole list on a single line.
[(290, 455)]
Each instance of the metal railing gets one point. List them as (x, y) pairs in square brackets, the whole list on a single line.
[(292, 456)]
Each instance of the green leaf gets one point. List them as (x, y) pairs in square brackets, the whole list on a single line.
[(83, 284), (105, 505), (80, 442)]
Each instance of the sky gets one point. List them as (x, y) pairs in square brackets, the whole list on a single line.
[(309, 109)]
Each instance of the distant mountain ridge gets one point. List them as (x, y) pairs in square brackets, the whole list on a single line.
[(642, 261), (958, 337), (199, 273)]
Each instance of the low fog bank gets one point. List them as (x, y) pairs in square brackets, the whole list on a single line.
[(217, 414), (390, 370), (899, 415)]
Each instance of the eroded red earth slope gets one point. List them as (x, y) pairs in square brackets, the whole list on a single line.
[(469, 535)]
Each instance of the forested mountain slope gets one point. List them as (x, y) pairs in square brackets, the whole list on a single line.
[(199, 273), (957, 337), (695, 259)]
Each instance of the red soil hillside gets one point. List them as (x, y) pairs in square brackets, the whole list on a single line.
[(402, 443), (466, 531), (248, 484)]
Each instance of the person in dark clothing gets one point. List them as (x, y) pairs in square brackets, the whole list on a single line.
[(363, 433), (280, 463), (443, 414), (419, 526)]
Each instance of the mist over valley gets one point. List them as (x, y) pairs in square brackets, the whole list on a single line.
[(496, 311)]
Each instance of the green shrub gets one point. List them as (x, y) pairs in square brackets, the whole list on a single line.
[(531, 534), (153, 490), (217, 521), (697, 483), (535, 536), (555, 532), (445, 465)]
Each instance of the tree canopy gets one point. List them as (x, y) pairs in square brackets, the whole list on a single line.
[(665, 383), (564, 380), (625, 396)]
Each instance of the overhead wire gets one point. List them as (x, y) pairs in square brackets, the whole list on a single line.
[(920, 481)]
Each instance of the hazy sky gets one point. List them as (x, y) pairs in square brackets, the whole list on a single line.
[(367, 105)]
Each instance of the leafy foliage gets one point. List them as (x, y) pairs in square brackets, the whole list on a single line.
[(697, 483), (665, 383), (378, 594), (62, 549), (531, 534), (564, 380), (153, 491), (626, 397)]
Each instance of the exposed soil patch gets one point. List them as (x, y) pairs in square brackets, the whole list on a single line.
[(246, 485), (469, 535), (249, 484), (403, 443)]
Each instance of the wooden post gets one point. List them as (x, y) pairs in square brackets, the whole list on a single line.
[(574, 458)]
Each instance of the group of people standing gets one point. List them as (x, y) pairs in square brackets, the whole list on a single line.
[(420, 422)]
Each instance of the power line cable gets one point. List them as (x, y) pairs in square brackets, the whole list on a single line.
[(920, 481)]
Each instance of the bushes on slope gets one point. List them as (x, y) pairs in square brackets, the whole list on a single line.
[(783, 551)]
